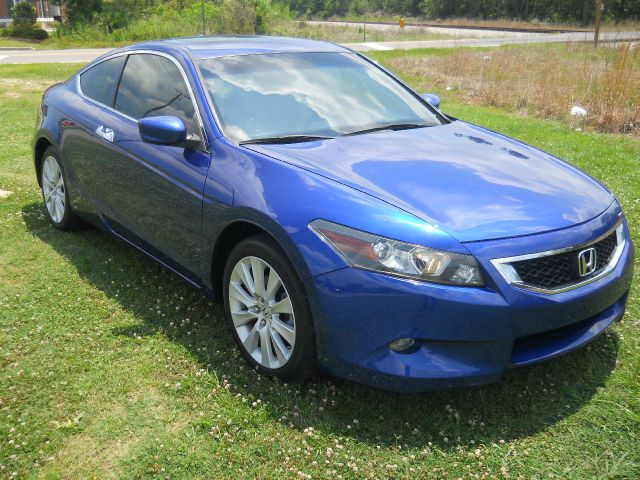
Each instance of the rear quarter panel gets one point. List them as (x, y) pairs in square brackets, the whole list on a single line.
[(67, 122)]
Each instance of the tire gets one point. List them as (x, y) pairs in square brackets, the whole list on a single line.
[(55, 194), (261, 312)]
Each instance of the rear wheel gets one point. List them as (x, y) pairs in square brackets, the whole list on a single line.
[(266, 306), (54, 192)]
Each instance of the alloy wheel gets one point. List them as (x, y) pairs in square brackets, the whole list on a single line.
[(53, 189), (262, 312)]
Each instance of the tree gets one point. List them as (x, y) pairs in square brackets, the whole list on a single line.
[(550, 10), (24, 16), (82, 11)]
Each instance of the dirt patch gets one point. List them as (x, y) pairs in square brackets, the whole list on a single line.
[(14, 86)]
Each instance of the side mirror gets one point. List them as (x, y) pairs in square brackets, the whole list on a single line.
[(166, 130), (432, 99)]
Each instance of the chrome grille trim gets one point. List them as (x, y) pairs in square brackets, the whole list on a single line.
[(508, 272)]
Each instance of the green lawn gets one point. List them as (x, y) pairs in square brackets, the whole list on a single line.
[(16, 43), (112, 367)]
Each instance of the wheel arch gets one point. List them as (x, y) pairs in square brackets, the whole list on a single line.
[(245, 225), (242, 223), (41, 144)]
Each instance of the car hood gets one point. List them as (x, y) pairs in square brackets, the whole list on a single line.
[(470, 182)]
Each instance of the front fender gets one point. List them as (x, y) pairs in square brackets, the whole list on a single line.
[(282, 199), (228, 218)]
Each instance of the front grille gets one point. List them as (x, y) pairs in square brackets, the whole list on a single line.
[(605, 249), (554, 271)]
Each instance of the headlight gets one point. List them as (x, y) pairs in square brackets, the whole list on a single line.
[(373, 252)]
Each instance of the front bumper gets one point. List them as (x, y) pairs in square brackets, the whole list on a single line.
[(466, 336)]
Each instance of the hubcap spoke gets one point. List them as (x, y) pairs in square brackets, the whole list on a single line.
[(244, 272), (273, 285), (258, 268), (282, 352), (48, 174), (59, 208), (237, 292), (56, 176), (283, 306), (266, 352), (54, 214), (251, 341), (284, 330), (242, 317)]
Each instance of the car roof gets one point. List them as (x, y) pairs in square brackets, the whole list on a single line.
[(221, 46)]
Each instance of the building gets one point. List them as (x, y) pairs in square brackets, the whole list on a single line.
[(46, 10)]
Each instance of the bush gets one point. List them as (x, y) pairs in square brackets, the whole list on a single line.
[(24, 16), (37, 34), (28, 33), (118, 22)]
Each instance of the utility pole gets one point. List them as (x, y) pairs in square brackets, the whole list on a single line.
[(596, 32), (204, 32), (364, 25)]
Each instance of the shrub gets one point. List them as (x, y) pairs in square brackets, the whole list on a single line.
[(28, 33), (38, 34), (24, 16), (116, 22)]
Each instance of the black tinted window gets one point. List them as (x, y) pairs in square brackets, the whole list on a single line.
[(152, 85), (99, 82)]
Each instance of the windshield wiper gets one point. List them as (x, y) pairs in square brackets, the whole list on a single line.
[(391, 126), (286, 139)]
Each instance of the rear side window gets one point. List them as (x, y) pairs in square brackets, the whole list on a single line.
[(151, 86), (99, 83)]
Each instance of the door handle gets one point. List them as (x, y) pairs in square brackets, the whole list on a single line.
[(105, 132)]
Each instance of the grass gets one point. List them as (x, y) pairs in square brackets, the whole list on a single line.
[(19, 43), (111, 367), (351, 34), (604, 81), (503, 23)]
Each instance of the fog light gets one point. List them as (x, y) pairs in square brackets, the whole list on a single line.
[(402, 344)]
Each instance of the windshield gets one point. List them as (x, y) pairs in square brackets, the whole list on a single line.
[(307, 94)]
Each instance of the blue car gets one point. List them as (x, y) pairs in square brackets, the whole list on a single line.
[(346, 223)]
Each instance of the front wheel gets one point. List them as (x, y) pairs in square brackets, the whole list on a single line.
[(266, 306)]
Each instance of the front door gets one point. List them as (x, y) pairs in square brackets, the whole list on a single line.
[(151, 194)]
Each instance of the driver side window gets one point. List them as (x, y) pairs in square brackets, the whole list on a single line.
[(152, 86)]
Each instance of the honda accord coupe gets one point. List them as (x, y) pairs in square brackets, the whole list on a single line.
[(345, 221)]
